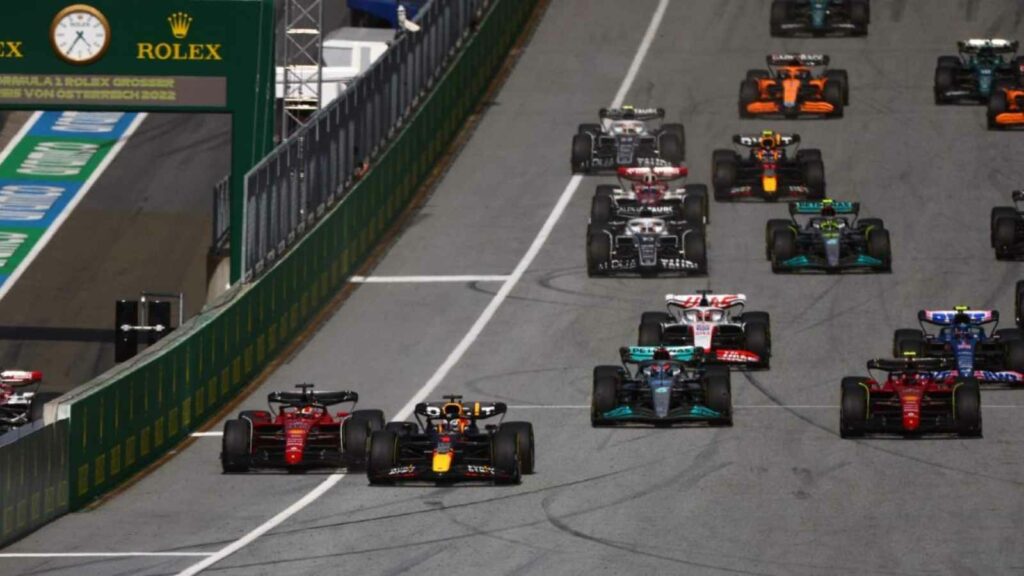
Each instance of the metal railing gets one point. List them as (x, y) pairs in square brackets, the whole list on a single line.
[(221, 245), (292, 188)]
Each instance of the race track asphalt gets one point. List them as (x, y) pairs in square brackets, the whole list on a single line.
[(145, 225), (777, 494)]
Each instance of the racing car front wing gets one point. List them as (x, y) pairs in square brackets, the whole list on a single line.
[(634, 414)]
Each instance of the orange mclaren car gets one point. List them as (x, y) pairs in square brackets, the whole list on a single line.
[(1006, 108), (795, 85)]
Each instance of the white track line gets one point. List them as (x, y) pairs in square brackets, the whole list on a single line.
[(21, 134), (474, 331), (217, 434), (424, 279), (101, 554), (51, 230)]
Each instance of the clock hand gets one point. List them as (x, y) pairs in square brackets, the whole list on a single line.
[(79, 36)]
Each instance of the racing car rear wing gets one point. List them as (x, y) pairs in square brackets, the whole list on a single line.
[(815, 207), (911, 364), (631, 113), (457, 408), (635, 354), (997, 45), (321, 398), (797, 59), (711, 300), (948, 317), (661, 173), (20, 377), (755, 139)]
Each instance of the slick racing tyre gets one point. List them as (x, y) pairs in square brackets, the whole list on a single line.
[(601, 210), (383, 455), (779, 16), (680, 133), (757, 336), (908, 341), (945, 78), (524, 431), (236, 450), (873, 223), (605, 190), (833, 94), (355, 433), (657, 317), (860, 16), (808, 155), (590, 129), (783, 248), (401, 429), (605, 394), (724, 169), (599, 251), (1004, 236), (749, 94), (967, 407), (670, 148), (769, 233), (695, 249), (694, 208), (756, 75), (718, 393), (582, 153), (853, 407), (879, 247), (1018, 304), (813, 172), (505, 455), (997, 104), (997, 213), (650, 334), (1015, 355), (841, 78)]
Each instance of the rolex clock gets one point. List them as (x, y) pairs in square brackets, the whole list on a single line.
[(80, 34)]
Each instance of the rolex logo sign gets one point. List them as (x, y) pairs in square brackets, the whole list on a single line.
[(180, 24)]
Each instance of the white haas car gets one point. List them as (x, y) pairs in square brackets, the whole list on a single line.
[(646, 192), (714, 322), (19, 406)]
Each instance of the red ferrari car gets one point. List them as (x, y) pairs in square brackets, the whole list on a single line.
[(917, 396), (298, 432), (19, 404)]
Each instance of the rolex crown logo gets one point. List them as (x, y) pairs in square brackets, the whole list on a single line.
[(180, 23)]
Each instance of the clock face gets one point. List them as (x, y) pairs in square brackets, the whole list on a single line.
[(80, 34)]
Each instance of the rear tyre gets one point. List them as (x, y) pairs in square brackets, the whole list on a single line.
[(783, 248), (679, 132), (695, 205), (383, 455), (718, 393), (879, 247), (695, 249), (236, 448), (401, 429), (814, 178), (605, 190), (605, 395), (1015, 355), (833, 94), (769, 233), (756, 75), (591, 129), (599, 251), (1004, 236), (997, 104), (779, 16), (967, 407), (505, 452), (872, 223), (945, 78), (757, 337), (1018, 304), (724, 169), (841, 78), (749, 93), (1000, 212), (853, 407), (808, 155), (670, 148), (524, 432), (860, 16), (601, 210), (650, 334), (908, 340), (355, 434), (582, 153)]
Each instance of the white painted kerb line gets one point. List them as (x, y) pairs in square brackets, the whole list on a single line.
[(103, 554), (474, 331), (424, 279)]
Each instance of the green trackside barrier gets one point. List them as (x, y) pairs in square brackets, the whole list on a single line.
[(129, 417), (33, 480)]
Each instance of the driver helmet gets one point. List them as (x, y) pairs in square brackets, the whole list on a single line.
[(649, 179), (660, 370), (827, 209), (961, 323), (307, 410), (770, 139)]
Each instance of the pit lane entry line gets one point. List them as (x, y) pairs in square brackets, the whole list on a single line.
[(474, 331)]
